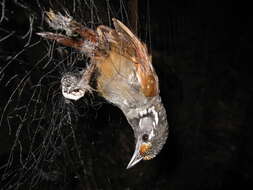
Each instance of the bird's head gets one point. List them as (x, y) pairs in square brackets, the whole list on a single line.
[(149, 122), (150, 130)]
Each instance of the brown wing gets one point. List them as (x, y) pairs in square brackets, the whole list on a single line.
[(129, 46), (97, 44)]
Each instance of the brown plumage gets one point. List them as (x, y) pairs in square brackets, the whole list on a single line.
[(125, 77)]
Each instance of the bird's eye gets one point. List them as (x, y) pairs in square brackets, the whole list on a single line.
[(145, 137)]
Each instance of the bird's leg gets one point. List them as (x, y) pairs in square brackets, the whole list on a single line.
[(84, 83), (74, 85)]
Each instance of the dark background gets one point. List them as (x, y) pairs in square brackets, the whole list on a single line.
[(202, 54)]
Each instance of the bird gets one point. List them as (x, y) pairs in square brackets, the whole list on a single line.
[(124, 74)]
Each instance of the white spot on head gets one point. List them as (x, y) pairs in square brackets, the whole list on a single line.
[(145, 123), (152, 134), (152, 110), (143, 113), (125, 102)]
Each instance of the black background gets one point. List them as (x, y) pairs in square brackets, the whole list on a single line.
[(202, 54)]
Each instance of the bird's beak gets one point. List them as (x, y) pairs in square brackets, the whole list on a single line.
[(136, 157)]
